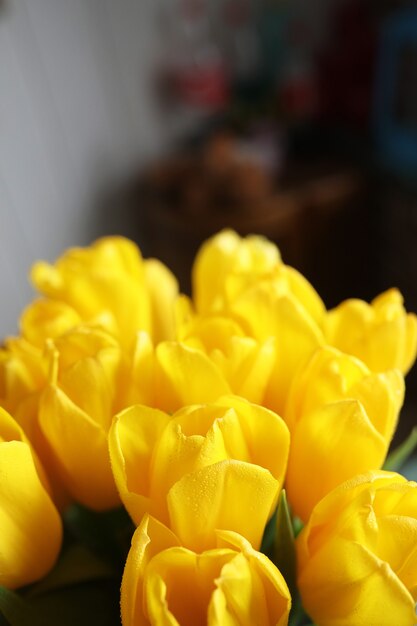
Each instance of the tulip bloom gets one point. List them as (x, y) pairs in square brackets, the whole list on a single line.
[(205, 467), (227, 255), (245, 280), (165, 583), (169, 376), (245, 363), (357, 556), (106, 284), (75, 412), (267, 311), (342, 418), (31, 529), (381, 334)]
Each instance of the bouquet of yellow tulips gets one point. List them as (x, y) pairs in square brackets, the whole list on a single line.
[(221, 459)]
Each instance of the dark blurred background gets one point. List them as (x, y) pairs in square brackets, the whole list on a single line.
[(168, 120)]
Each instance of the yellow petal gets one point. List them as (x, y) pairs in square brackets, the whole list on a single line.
[(381, 334), (228, 495), (31, 529), (178, 453), (267, 436), (295, 332), (132, 439), (338, 441), (179, 584), (44, 319), (80, 448), (149, 539), (162, 289), (186, 376), (224, 254), (275, 588), (364, 590), (382, 396), (244, 593)]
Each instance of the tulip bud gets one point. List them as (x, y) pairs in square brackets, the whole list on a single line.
[(357, 556), (31, 529), (245, 363), (76, 409), (205, 467), (381, 334), (342, 418), (107, 284), (164, 583), (224, 255)]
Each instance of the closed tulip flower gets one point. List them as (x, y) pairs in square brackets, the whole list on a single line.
[(211, 466), (245, 363), (357, 556), (165, 583), (271, 310), (76, 409), (31, 529), (23, 376), (342, 418), (245, 280), (170, 375), (23, 372), (226, 255), (381, 334), (107, 284)]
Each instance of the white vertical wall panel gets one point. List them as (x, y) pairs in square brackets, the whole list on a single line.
[(75, 113)]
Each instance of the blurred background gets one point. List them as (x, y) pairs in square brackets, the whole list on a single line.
[(166, 120)]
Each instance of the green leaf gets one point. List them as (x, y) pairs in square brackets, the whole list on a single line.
[(284, 553), (398, 457), (14, 611), (268, 539), (410, 469)]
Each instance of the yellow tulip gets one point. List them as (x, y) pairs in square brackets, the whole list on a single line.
[(245, 363), (381, 334), (357, 556), (107, 284), (245, 280), (226, 254), (75, 412), (342, 418), (211, 466), (10, 430), (267, 312), (31, 529), (23, 376), (170, 376), (165, 583)]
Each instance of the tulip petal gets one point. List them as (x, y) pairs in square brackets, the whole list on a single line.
[(363, 588), (149, 538), (230, 494), (81, 449), (296, 334), (338, 441), (266, 434), (162, 288), (186, 376), (276, 590), (132, 440), (31, 529)]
